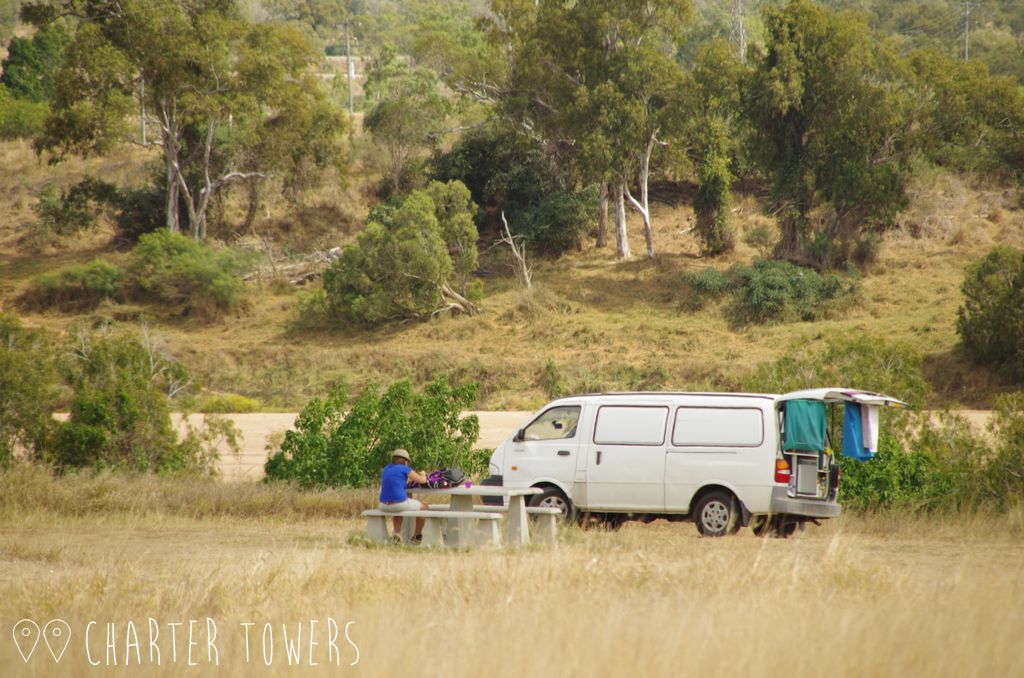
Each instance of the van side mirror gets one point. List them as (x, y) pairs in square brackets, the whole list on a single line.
[(518, 438)]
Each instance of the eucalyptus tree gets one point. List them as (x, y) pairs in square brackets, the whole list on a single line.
[(409, 119), (593, 80), (211, 84), (833, 112)]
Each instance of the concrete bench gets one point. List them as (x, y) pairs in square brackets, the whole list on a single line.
[(486, 524), (545, 519)]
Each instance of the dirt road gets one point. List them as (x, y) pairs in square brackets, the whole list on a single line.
[(257, 428)]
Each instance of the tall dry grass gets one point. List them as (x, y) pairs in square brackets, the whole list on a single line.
[(27, 488), (886, 595)]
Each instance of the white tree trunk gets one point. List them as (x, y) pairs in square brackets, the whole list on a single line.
[(171, 144), (643, 205), (602, 216), (621, 239)]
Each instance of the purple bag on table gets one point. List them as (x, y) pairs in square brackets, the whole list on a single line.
[(442, 478)]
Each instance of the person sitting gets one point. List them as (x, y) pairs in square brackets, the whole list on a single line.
[(393, 497)]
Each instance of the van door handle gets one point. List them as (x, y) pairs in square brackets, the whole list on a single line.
[(563, 453), (599, 457)]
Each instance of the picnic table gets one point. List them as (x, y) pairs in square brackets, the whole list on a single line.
[(517, 530)]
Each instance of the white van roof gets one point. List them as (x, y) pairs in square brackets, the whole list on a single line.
[(830, 395)]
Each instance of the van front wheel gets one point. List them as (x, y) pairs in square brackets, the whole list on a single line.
[(553, 498), (716, 514)]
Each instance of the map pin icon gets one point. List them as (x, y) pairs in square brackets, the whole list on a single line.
[(56, 634), (26, 637)]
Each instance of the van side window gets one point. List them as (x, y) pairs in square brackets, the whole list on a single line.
[(554, 424), (718, 427), (630, 425)]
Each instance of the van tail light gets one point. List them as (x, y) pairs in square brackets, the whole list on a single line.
[(781, 471)]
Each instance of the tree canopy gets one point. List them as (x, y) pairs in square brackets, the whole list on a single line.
[(206, 83)]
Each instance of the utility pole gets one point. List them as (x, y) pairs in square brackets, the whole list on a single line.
[(738, 34), (350, 69), (967, 28)]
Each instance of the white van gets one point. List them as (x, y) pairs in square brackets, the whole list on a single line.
[(721, 459)]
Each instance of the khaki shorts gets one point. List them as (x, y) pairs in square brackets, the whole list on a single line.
[(407, 505)]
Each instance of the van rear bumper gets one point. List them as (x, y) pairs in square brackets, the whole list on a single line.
[(782, 503)]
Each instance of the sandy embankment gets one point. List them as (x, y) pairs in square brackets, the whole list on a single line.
[(256, 428)]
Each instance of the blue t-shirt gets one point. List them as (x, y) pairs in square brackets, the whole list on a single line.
[(393, 481)]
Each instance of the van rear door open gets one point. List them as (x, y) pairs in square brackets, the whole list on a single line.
[(625, 456)]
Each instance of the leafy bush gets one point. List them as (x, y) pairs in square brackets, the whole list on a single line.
[(709, 282), (991, 320), (139, 210), (345, 443), (120, 415), (30, 69), (405, 264), (557, 222), (185, 273), (28, 389), (761, 238), (509, 172), (20, 119), (164, 267), (773, 290), (910, 478), (76, 209), (1004, 477), (76, 288), (778, 290)]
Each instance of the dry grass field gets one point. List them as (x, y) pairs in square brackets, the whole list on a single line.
[(882, 595)]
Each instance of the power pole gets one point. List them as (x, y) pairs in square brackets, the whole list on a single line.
[(349, 69), (738, 34), (967, 28)]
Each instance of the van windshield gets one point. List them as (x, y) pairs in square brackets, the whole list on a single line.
[(554, 424)]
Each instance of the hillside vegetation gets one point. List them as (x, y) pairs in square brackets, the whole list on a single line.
[(591, 322)]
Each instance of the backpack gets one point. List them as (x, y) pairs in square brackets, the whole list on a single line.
[(446, 477)]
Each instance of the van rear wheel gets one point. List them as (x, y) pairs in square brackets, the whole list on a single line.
[(716, 514)]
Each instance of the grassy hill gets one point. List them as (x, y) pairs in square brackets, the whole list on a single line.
[(591, 323)]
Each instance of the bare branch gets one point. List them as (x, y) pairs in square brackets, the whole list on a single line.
[(518, 247)]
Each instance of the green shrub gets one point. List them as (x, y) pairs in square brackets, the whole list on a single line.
[(120, 415), (20, 119), (552, 381), (139, 210), (710, 282), (991, 320), (187, 274), (761, 238), (76, 209), (507, 171), (1004, 477), (76, 288), (405, 264), (908, 478), (778, 290), (557, 222), (28, 389), (345, 443)]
